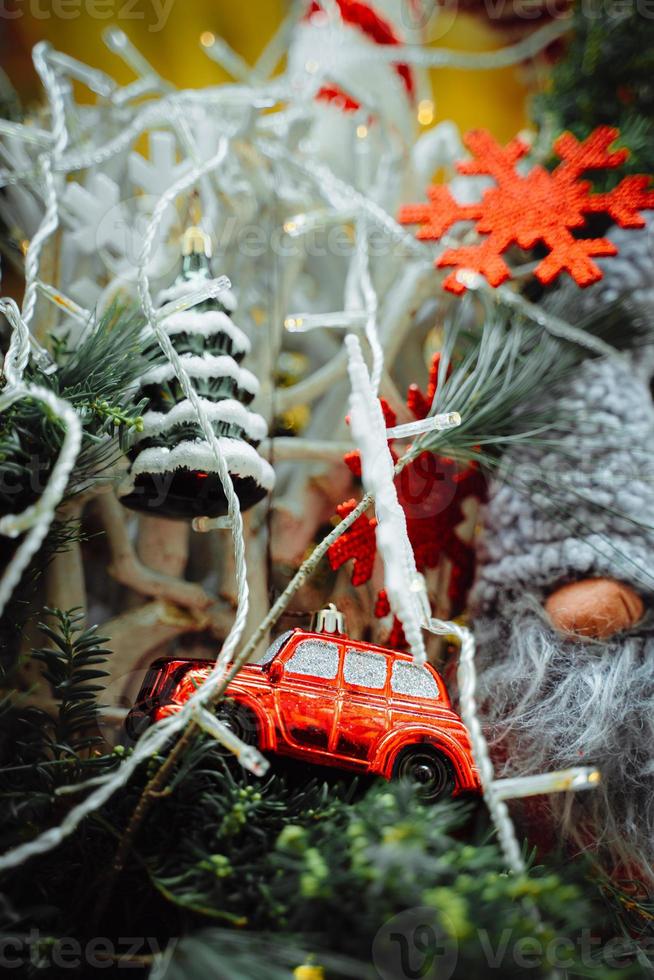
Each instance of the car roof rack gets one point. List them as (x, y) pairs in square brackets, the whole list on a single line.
[(328, 620)]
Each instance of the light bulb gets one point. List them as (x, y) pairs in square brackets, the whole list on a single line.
[(425, 112)]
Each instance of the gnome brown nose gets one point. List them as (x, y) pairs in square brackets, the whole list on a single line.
[(597, 607)]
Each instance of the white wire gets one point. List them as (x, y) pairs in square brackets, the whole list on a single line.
[(505, 57), (467, 677), (47, 160), (360, 293), (94, 79), (154, 114), (371, 302), (38, 517), (233, 505), (18, 351)]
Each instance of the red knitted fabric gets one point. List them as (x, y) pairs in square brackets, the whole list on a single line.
[(357, 543), (537, 207)]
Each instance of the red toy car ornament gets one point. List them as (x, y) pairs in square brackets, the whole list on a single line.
[(326, 699)]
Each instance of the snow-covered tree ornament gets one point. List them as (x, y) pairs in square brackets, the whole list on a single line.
[(174, 470)]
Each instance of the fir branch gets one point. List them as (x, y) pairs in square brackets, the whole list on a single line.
[(117, 416), (99, 379), (605, 77), (326, 870), (40, 751), (496, 376), (72, 660)]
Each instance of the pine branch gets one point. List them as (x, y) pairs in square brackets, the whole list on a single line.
[(604, 77), (99, 380), (497, 374), (40, 751), (71, 662)]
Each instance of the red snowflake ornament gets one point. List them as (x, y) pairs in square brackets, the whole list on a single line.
[(537, 207)]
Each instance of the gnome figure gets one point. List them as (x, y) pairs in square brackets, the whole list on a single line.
[(565, 587)]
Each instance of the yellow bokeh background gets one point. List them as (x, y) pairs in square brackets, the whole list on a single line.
[(495, 99)]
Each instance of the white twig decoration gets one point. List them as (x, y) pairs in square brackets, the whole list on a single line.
[(378, 473)]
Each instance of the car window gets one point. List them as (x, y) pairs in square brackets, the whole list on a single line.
[(318, 658), (366, 669), (413, 680), (275, 647)]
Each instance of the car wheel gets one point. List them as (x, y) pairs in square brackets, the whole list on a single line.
[(239, 719), (429, 770), (137, 722)]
